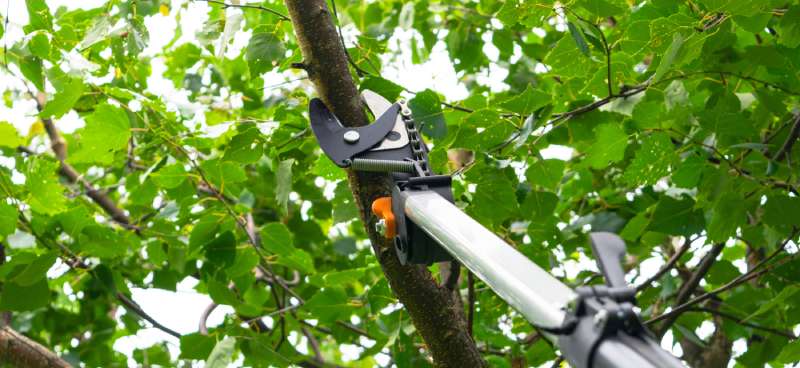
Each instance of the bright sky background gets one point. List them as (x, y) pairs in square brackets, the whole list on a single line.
[(181, 310)]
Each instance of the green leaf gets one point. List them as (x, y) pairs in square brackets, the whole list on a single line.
[(602, 8), (283, 187), (689, 171), (38, 16), (608, 147), (170, 176), (245, 147), (39, 45), (790, 353), (107, 131), (264, 52), (578, 37), (9, 137), (494, 199), (729, 213), (36, 270), (46, 195), (329, 305), (326, 169), (782, 211), (427, 111), (31, 68), (790, 27), (16, 297), (539, 205), (203, 230), (222, 250), (277, 239), (669, 56), (222, 354), (676, 217), (509, 13), (527, 102), (635, 227), (386, 88), (64, 99), (778, 300), (8, 219), (546, 173), (652, 161), (196, 346)]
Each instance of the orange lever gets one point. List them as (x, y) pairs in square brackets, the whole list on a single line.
[(382, 207)]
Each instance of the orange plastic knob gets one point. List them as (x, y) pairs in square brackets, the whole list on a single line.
[(382, 207)]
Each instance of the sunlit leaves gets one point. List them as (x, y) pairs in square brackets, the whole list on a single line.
[(222, 354), (107, 131), (64, 99), (427, 111), (9, 136), (652, 161), (608, 147), (264, 51), (45, 193), (676, 217)]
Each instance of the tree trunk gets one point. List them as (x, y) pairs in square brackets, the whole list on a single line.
[(434, 310), (20, 351)]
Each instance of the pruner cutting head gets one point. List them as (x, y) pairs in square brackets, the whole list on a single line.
[(341, 143)]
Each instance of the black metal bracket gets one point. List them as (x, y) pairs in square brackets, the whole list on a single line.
[(342, 144), (358, 148), (606, 312)]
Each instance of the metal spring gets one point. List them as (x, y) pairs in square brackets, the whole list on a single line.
[(367, 164)]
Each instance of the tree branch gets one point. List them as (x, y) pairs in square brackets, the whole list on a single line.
[(59, 147), (755, 272), (737, 320), (690, 285), (433, 309), (668, 266), (17, 350), (245, 6), (786, 148)]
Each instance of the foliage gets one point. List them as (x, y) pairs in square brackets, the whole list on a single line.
[(680, 120)]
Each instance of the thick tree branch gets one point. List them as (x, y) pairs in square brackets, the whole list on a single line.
[(433, 309), (17, 350), (691, 284)]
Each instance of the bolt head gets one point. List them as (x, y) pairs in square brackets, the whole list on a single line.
[(351, 136)]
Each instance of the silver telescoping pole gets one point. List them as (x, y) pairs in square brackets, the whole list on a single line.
[(541, 298)]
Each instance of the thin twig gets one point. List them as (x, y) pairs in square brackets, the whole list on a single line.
[(668, 266), (786, 148), (784, 333), (470, 301), (136, 309), (245, 6), (204, 318), (756, 271)]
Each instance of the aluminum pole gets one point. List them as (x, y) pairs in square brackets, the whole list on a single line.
[(541, 298)]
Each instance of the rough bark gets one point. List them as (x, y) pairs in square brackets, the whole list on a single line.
[(434, 310), (17, 350)]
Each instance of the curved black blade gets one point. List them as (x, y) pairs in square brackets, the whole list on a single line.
[(330, 133)]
